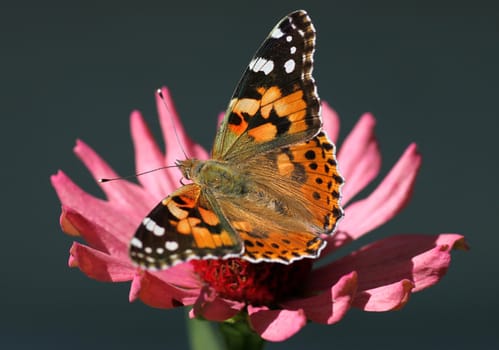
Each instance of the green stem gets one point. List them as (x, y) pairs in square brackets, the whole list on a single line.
[(236, 334), (202, 335)]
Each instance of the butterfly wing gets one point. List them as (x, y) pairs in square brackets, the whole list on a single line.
[(304, 180), (272, 133), (275, 103), (270, 236), (297, 199), (185, 225), (270, 141)]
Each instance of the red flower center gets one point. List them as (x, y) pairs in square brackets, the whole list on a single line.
[(256, 284)]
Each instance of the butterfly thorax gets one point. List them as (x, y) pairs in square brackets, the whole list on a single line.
[(219, 177)]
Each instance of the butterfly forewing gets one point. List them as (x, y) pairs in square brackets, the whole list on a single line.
[(275, 103), (183, 226)]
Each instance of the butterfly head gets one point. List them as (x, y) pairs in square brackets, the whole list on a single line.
[(189, 167)]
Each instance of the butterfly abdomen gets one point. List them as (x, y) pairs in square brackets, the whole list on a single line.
[(230, 182)]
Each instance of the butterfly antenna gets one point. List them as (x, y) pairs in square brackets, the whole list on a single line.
[(162, 97), (102, 180)]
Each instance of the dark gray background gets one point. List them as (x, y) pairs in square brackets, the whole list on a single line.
[(428, 70)]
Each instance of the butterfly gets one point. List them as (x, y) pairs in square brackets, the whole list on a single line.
[(271, 189)]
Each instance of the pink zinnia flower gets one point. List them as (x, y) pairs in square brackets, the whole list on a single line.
[(279, 299)]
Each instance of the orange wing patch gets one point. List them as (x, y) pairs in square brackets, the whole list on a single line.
[(271, 115), (264, 132), (284, 247), (314, 166), (269, 95), (286, 105), (183, 226)]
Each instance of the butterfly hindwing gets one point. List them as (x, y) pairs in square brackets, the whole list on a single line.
[(297, 186), (319, 179), (275, 102), (271, 237), (183, 226), (273, 246)]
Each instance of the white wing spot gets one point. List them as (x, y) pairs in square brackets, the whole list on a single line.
[(149, 224), (174, 257), (159, 231), (292, 50), (277, 33), (251, 65), (289, 38), (171, 245), (289, 66), (260, 64), (160, 250), (135, 242), (148, 250), (268, 67), (153, 227)]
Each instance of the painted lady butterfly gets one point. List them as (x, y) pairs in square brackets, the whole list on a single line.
[(272, 187)]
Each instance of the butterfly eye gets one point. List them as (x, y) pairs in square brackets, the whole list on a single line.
[(185, 167)]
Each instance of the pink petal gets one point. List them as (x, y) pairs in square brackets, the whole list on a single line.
[(168, 118), (98, 211), (385, 298), (94, 235), (384, 267), (339, 239), (331, 305), (181, 275), (123, 194), (148, 157), (359, 159), (66, 225), (211, 307), (431, 266), (276, 325), (99, 265), (156, 293), (391, 195), (331, 121)]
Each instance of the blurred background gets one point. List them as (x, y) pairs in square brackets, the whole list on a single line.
[(428, 70)]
